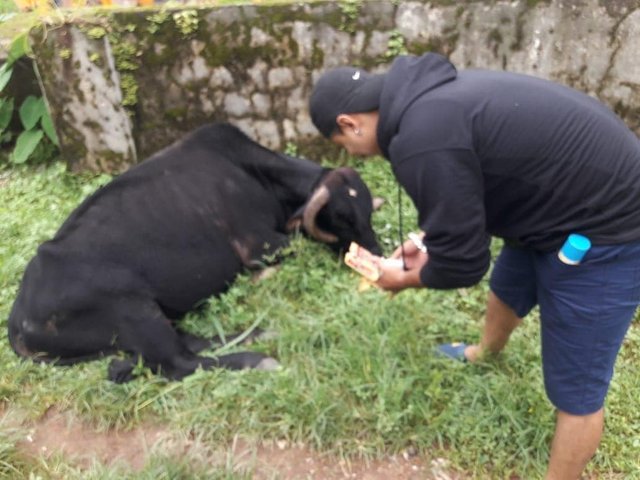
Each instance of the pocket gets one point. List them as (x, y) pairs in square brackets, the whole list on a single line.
[(635, 290)]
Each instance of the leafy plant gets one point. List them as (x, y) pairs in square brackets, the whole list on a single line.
[(186, 21), (291, 149), (96, 33), (156, 20), (34, 116), (350, 10), (396, 45)]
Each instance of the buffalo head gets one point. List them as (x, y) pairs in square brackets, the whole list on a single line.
[(339, 210)]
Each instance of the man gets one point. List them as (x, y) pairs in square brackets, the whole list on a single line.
[(485, 153)]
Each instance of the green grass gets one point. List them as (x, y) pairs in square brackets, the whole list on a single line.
[(359, 378), (7, 6)]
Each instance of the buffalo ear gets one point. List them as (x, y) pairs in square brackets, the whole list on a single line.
[(295, 220), (377, 202), (294, 223)]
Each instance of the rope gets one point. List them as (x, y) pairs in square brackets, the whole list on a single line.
[(400, 234)]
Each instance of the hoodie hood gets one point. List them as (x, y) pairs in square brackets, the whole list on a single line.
[(409, 78)]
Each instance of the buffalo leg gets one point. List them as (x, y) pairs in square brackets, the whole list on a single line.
[(148, 333), (121, 370), (65, 337)]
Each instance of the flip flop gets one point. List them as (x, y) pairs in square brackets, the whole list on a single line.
[(453, 350)]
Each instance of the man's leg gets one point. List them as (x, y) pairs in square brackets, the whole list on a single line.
[(512, 295), (585, 312), (574, 443), (500, 321)]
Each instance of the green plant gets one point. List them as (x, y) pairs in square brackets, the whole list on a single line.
[(350, 10), (186, 21), (95, 58), (8, 9), (396, 45), (34, 116), (96, 33), (126, 58), (291, 149), (156, 20)]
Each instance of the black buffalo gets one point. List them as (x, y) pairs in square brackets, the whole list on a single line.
[(157, 240)]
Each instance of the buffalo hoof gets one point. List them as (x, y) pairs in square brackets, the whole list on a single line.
[(121, 371), (263, 274), (268, 364)]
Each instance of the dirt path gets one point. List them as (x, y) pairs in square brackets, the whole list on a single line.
[(81, 445)]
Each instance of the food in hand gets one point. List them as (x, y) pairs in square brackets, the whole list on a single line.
[(363, 261), (392, 262)]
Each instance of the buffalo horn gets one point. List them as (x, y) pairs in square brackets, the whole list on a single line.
[(318, 200)]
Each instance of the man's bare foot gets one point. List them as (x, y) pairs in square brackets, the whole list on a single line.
[(473, 353)]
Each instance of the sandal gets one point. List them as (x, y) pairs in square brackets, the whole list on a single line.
[(453, 350)]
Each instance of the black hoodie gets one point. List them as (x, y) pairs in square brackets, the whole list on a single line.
[(486, 153)]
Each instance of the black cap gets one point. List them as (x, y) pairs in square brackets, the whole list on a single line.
[(343, 90)]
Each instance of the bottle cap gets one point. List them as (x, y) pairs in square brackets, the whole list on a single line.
[(574, 249)]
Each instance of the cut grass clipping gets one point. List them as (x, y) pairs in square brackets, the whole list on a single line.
[(359, 377)]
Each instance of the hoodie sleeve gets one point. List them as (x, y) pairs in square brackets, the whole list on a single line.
[(446, 187)]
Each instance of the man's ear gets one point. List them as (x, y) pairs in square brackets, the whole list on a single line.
[(346, 122)]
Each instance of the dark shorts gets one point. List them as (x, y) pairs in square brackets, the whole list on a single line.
[(585, 311)]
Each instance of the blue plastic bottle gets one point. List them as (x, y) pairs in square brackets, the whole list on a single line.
[(574, 249)]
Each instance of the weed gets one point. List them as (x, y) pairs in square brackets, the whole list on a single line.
[(291, 149), (96, 33), (156, 20), (186, 21), (396, 45), (350, 11)]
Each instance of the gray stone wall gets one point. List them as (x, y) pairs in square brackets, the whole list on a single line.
[(123, 86)]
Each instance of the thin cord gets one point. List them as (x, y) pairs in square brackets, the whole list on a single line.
[(404, 263)]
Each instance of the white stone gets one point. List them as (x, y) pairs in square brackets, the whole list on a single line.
[(259, 37), (200, 69), (206, 102), (99, 100), (305, 126), (257, 73), (197, 47), (623, 79), (301, 34), (267, 134), (221, 78), (280, 77), (378, 44), (247, 126), (290, 132), (261, 104), (296, 101), (333, 45), (236, 105)]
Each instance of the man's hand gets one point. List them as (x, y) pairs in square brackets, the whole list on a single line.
[(395, 279)]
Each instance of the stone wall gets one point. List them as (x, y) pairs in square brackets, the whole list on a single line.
[(123, 85)]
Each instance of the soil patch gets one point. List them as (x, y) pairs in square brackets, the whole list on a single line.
[(82, 445)]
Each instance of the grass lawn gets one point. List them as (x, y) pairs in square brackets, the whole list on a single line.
[(358, 379)]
